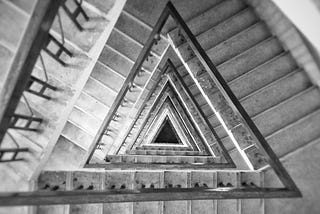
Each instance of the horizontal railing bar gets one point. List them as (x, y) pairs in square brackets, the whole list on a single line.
[(165, 194), (161, 166), (14, 150)]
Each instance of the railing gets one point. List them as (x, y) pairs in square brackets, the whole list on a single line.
[(156, 194), (221, 84), (20, 78)]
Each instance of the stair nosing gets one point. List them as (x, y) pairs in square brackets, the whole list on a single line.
[(73, 142), (134, 41), (262, 88), (281, 103), (16, 7), (111, 69), (270, 84), (294, 123), (220, 23), (215, 7), (104, 85), (119, 53), (252, 70), (136, 19), (263, 64), (211, 49), (84, 92), (238, 55), (82, 129), (89, 114), (118, 74), (236, 35), (249, 49), (295, 71), (291, 123), (141, 22), (79, 126)]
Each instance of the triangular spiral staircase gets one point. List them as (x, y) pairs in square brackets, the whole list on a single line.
[(184, 120)]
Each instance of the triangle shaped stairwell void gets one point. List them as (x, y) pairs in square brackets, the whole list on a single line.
[(166, 134)]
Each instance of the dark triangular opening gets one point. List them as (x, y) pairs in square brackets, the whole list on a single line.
[(167, 134)]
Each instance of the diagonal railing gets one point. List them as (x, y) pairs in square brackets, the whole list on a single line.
[(20, 79)]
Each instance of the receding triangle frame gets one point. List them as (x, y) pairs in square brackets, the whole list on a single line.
[(166, 134), (167, 116), (168, 91), (168, 103), (234, 118), (261, 147)]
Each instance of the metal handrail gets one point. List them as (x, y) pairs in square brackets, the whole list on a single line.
[(25, 59), (161, 194), (170, 10), (20, 78)]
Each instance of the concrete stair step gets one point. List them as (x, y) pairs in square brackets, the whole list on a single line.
[(150, 11), (287, 112), (265, 101), (132, 28), (12, 16), (101, 5), (100, 92), (77, 135), (294, 129), (160, 159), (25, 6), (263, 75), (92, 106), (5, 62), (166, 153), (85, 121), (234, 45), (238, 43), (215, 15), (245, 62), (124, 44), (295, 135), (116, 62), (107, 76), (228, 28), (66, 155), (264, 52), (276, 92), (163, 148)]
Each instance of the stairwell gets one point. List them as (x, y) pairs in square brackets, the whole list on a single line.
[(268, 75)]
